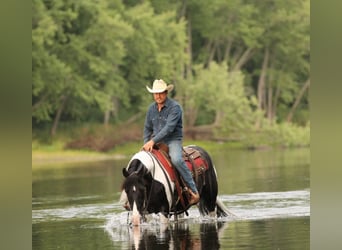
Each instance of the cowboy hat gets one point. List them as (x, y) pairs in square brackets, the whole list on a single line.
[(159, 86)]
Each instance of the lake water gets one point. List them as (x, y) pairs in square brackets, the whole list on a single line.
[(75, 206)]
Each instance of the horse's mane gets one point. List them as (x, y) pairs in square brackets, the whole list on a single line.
[(145, 158), (132, 179)]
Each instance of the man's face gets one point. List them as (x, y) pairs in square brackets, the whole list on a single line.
[(160, 97)]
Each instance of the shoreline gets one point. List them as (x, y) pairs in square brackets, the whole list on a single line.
[(51, 158)]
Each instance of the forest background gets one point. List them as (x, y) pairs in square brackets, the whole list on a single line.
[(241, 70)]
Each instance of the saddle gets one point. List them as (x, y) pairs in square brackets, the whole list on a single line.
[(194, 161)]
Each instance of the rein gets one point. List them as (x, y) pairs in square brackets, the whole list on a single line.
[(165, 174), (147, 197), (145, 193)]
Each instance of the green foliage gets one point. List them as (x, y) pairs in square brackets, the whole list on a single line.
[(78, 58), (214, 89), (156, 48), (95, 58), (278, 135)]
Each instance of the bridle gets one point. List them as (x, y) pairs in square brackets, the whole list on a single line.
[(147, 198), (147, 195), (146, 202)]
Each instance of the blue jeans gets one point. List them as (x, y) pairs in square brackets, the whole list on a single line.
[(175, 151)]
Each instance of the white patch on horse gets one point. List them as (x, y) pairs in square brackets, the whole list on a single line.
[(134, 189), (135, 215), (156, 170), (163, 219)]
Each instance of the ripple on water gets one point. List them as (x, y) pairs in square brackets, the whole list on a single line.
[(248, 206)]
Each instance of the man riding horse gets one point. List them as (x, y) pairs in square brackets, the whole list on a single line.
[(164, 124), (151, 185)]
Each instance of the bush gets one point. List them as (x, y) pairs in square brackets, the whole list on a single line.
[(104, 138), (279, 135)]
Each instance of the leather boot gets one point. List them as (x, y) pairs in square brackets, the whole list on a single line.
[(194, 197)]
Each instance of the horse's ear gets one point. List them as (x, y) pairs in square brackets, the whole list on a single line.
[(140, 170), (125, 172)]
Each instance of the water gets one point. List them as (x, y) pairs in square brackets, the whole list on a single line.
[(75, 206)]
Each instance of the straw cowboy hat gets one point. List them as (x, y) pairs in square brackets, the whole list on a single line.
[(159, 86)]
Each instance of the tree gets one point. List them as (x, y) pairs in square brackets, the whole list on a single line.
[(298, 98), (228, 30), (286, 48), (77, 60), (216, 90), (92, 60), (156, 49)]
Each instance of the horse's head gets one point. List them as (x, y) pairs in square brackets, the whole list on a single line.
[(136, 187)]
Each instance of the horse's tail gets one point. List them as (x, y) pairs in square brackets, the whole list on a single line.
[(222, 210), (212, 185)]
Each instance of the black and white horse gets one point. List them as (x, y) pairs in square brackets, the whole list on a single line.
[(149, 189)]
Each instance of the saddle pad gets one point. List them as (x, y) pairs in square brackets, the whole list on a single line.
[(194, 156), (165, 161)]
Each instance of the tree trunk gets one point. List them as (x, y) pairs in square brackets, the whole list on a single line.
[(218, 117), (106, 117), (227, 51), (261, 86), (58, 115), (243, 59), (188, 66), (269, 103), (219, 53), (235, 56), (38, 103), (182, 11), (114, 111), (190, 112), (211, 48), (298, 98), (275, 102), (191, 116), (270, 91)]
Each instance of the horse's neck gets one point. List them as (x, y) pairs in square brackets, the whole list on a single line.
[(147, 159), (151, 163), (153, 166)]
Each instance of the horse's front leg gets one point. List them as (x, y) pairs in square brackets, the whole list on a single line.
[(124, 200), (163, 218), (212, 214)]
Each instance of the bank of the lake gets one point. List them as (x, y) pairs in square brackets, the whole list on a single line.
[(55, 154)]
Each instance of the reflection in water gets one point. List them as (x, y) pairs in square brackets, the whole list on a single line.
[(269, 191), (196, 232), (177, 235)]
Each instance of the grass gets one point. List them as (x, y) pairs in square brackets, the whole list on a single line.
[(127, 141), (46, 154)]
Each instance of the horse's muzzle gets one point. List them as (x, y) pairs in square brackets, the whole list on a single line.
[(136, 220), (136, 217)]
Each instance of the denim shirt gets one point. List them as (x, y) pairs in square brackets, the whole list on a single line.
[(165, 125)]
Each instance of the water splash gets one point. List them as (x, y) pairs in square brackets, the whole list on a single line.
[(248, 206)]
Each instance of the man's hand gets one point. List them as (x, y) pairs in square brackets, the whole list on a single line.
[(148, 145)]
